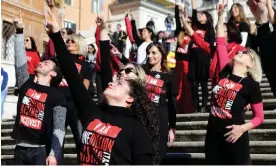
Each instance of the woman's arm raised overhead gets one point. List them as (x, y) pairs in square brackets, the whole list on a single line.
[(84, 103)]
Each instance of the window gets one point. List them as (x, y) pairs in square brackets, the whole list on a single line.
[(70, 25), (94, 6), (7, 45), (67, 2), (97, 6)]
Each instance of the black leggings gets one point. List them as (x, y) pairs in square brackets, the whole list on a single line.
[(195, 95), (219, 152)]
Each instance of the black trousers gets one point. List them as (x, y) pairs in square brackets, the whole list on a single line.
[(30, 156), (220, 152)]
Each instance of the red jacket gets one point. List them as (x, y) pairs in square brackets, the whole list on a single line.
[(115, 62), (33, 58), (129, 30)]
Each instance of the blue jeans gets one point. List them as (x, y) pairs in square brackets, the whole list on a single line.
[(3, 98)]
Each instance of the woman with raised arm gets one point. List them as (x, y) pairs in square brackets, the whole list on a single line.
[(232, 38), (133, 71), (161, 90), (227, 141), (113, 132), (184, 102), (238, 19), (202, 24), (147, 38)]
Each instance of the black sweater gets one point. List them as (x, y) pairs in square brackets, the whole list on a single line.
[(111, 134)]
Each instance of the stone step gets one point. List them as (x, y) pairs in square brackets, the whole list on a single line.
[(268, 114), (199, 135), (69, 159), (201, 125), (256, 147), (170, 159), (181, 135), (7, 140), (199, 159)]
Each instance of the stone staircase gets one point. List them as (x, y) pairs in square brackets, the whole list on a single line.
[(190, 135)]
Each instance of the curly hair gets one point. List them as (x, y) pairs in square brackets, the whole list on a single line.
[(144, 110)]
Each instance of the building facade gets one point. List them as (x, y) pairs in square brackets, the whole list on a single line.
[(144, 11), (33, 26), (80, 15)]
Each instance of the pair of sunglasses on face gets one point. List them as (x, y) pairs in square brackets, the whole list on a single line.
[(68, 40), (127, 71), (246, 52)]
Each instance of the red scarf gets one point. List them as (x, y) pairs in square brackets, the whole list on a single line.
[(114, 61)]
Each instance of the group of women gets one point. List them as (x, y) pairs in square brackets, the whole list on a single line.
[(136, 120)]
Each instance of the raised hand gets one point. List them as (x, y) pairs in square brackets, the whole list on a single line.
[(51, 26), (221, 8), (132, 15), (115, 51), (100, 23), (18, 21)]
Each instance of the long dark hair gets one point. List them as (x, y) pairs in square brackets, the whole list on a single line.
[(241, 17), (208, 26), (147, 67), (144, 110), (233, 34), (33, 44), (94, 51)]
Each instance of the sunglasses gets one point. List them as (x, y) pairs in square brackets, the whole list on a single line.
[(68, 40), (246, 52), (127, 71), (27, 40)]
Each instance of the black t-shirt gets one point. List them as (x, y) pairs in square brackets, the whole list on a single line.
[(112, 135), (182, 51), (34, 120), (162, 91), (229, 98), (84, 71)]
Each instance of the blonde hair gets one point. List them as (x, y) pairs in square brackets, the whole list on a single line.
[(255, 71), (140, 71), (80, 43)]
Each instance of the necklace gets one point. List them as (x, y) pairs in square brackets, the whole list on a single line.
[(230, 85)]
